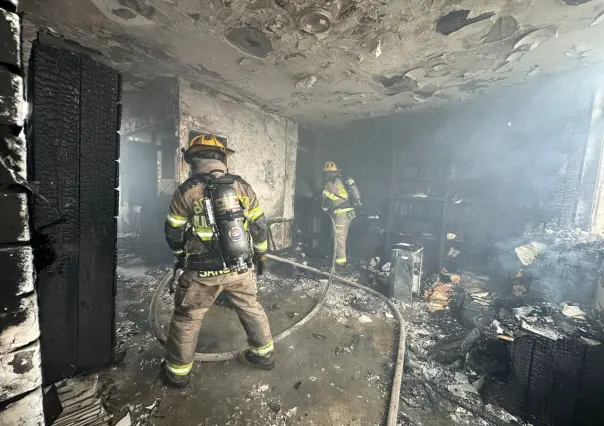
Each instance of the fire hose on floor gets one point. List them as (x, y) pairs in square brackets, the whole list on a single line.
[(210, 357)]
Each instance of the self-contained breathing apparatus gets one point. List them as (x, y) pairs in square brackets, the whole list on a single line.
[(226, 217), (354, 195)]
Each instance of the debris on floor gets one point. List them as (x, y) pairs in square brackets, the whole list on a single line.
[(573, 310), (469, 335), (125, 421), (81, 401), (439, 296), (460, 334)]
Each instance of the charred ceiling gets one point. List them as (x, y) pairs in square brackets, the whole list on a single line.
[(335, 60)]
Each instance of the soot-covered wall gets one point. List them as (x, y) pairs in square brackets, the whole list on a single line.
[(265, 146), (471, 177), (20, 369)]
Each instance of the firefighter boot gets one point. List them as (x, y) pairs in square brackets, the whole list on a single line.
[(173, 380), (263, 358)]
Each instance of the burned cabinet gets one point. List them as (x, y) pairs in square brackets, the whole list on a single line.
[(418, 202), (405, 271)]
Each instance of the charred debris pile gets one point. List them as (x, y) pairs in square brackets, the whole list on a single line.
[(528, 339)]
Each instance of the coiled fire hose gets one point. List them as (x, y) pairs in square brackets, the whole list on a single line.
[(225, 356)]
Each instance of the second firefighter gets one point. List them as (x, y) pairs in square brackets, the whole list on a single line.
[(339, 197)]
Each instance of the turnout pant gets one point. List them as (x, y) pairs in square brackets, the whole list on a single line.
[(194, 296), (342, 225)]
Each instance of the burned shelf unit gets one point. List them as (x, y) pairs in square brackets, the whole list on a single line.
[(417, 206)]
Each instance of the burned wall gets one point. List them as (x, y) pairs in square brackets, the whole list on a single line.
[(149, 104), (20, 370), (265, 145), (473, 176)]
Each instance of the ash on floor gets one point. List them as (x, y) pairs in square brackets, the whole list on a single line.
[(336, 370), (330, 372)]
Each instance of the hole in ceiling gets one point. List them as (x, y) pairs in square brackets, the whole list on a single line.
[(124, 13), (503, 28), (456, 20), (574, 2), (250, 41), (396, 84)]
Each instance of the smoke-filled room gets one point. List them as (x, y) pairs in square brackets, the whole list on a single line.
[(279, 213)]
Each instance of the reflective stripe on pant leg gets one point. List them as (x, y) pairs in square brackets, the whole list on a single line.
[(243, 297), (262, 350), (341, 260), (179, 370)]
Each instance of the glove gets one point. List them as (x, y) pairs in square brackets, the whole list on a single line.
[(180, 262), (260, 262), (326, 206)]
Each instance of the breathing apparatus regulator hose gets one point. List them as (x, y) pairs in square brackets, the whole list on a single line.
[(225, 356)]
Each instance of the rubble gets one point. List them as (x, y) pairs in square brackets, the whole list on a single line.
[(364, 319), (342, 302), (460, 389), (572, 310), (469, 327), (125, 421), (439, 296), (457, 335)]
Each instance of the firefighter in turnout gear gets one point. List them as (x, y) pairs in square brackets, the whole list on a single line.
[(208, 267), (340, 196)]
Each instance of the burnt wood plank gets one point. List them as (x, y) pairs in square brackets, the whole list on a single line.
[(54, 162), (98, 225)]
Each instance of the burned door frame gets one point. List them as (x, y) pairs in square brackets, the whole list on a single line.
[(73, 155)]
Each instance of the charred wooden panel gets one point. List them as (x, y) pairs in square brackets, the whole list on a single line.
[(54, 153), (73, 155), (97, 204)]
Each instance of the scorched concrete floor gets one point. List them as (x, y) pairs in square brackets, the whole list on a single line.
[(334, 371)]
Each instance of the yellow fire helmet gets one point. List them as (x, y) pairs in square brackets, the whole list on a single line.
[(210, 143), (330, 166)]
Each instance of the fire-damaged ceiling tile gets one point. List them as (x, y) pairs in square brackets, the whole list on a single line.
[(397, 84), (535, 38), (514, 56), (439, 70), (124, 13), (252, 49), (574, 2), (307, 81), (504, 27), (250, 41), (457, 19), (140, 6)]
